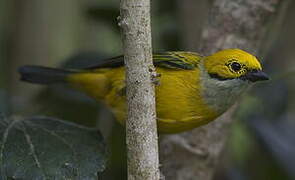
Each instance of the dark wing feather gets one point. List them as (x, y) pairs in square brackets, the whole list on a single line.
[(171, 60), (114, 62)]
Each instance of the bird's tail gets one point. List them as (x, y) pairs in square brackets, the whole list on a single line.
[(43, 75)]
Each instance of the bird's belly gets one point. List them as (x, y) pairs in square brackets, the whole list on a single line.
[(171, 118), (169, 125)]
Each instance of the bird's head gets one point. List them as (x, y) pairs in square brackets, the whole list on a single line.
[(234, 64), (226, 74)]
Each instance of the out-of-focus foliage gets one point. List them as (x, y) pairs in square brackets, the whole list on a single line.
[(45, 148)]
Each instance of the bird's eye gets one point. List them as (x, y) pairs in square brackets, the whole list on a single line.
[(236, 66)]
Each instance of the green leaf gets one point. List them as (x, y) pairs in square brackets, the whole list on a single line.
[(46, 148)]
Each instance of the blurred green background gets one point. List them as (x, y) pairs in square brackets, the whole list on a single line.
[(76, 33)]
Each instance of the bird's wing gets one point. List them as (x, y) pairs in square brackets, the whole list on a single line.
[(171, 60), (177, 60)]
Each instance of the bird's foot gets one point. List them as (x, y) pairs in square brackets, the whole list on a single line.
[(156, 79)]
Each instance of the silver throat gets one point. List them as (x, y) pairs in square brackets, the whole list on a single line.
[(220, 95)]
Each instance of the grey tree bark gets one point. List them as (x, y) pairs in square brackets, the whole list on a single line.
[(141, 127), (240, 24)]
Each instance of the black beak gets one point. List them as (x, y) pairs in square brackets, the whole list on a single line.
[(256, 75)]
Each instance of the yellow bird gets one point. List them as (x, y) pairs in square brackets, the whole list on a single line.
[(193, 90)]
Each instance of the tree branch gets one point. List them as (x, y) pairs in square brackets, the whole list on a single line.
[(141, 132)]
